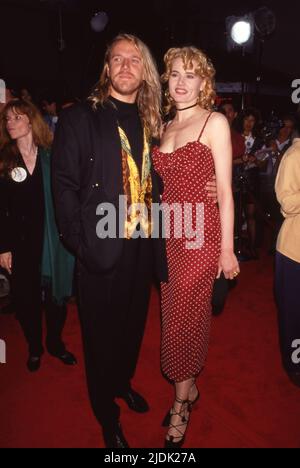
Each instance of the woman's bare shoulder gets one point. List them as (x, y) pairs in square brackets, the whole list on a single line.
[(218, 123), (218, 117)]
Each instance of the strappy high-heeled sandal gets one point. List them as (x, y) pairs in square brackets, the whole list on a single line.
[(184, 415), (167, 418)]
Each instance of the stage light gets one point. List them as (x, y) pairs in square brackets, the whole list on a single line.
[(265, 22), (241, 32), (99, 21)]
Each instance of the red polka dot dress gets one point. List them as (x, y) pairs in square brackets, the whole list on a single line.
[(192, 258)]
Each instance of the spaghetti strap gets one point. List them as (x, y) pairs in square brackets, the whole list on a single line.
[(202, 131)]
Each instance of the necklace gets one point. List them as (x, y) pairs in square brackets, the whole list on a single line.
[(186, 108)]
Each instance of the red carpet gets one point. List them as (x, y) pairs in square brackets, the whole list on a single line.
[(246, 398)]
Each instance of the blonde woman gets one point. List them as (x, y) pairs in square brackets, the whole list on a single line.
[(196, 145)]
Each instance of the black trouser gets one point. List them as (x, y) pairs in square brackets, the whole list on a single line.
[(287, 283), (113, 311), (27, 304)]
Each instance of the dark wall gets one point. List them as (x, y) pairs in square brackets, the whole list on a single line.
[(29, 33)]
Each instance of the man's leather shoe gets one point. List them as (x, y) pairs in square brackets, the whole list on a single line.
[(135, 401), (66, 358), (33, 363), (114, 438)]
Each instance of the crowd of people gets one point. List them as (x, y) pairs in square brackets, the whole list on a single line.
[(54, 195)]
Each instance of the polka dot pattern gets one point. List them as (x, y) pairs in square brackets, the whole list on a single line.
[(186, 298)]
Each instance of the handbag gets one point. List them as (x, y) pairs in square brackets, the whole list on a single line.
[(219, 294)]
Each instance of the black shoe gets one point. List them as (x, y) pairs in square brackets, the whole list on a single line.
[(170, 444), (114, 438), (135, 401), (66, 358), (176, 442), (191, 403), (33, 363)]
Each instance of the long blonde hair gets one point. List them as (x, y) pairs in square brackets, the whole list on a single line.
[(41, 133), (203, 68), (149, 94)]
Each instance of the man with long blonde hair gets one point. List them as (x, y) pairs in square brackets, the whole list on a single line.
[(102, 150)]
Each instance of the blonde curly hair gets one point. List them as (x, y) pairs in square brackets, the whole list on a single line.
[(203, 67), (149, 95)]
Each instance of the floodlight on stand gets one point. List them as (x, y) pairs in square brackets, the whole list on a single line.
[(241, 32)]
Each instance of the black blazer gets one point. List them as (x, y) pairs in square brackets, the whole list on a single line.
[(22, 221), (87, 171)]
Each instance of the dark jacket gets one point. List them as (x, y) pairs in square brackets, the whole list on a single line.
[(28, 230), (87, 171), (22, 215)]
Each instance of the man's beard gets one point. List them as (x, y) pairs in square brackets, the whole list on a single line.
[(126, 89)]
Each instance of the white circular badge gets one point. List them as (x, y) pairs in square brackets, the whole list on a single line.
[(18, 174)]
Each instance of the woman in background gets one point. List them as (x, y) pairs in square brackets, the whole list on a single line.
[(30, 249), (250, 120), (287, 273)]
